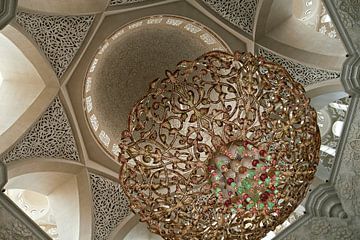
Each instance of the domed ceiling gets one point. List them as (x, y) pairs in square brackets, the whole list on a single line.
[(129, 60)]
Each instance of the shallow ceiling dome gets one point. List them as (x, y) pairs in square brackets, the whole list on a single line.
[(129, 60)]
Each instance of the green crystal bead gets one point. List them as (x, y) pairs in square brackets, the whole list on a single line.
[(248, 199), (271, 205), (267, 181), (233, 184), (240, 190), (277, 173), (251, 173), (276, 191), (240, 206), (240, 149), (249, 206), (260, 182), (249, 146), (276, 184), (261, 206)]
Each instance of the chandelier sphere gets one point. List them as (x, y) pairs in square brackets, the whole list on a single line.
[(224, 147)]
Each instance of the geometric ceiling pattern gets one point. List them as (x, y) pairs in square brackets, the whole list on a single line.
[(240, 13), (110, 205), (303, 74), (50, 137), (59, 37)]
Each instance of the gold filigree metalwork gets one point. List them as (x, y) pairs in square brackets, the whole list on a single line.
[(223, 148)]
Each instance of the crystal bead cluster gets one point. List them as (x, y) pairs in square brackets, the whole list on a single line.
[(245, 178)]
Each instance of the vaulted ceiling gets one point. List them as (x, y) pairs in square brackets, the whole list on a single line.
[(127, 43)]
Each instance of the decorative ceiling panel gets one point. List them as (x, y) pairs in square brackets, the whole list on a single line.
[(301, 73), (110, 205), (240, 13), (123, 2), (348, 11), (323, 228), (12, 228), (50, 137), (60, 37), (348, 178)]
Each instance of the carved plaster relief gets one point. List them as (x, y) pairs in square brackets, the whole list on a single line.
[(59, 37), (240, 13), (301, 73), (110, 205), (50, 137)]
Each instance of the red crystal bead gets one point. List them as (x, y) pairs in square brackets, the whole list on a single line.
[(264, 196), (230, 193), (245, 143), (255, 162), (230, 181), (227, 203), (210, 168), (263, 176), (262, 153), (245, 196)]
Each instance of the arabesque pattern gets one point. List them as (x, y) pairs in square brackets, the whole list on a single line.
[(224, 147), (59, 37)]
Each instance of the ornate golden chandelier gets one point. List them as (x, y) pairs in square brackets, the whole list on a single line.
[(222, 148)]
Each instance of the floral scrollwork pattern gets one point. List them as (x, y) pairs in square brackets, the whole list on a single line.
[(60, 37), (174, 156), (241, 13), (301, 73), (50, 137), (110, 205), (123, 2)]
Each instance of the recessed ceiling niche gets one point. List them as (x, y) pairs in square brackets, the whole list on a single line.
[(128, 60)]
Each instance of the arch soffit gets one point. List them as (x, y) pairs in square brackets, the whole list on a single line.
[(38, 106), (278, 30), (52, 173)]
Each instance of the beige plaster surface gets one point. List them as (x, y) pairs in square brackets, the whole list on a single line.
[(64, 7), (21, 83), (30, 83)]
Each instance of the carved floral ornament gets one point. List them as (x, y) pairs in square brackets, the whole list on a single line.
[(224, 147)]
